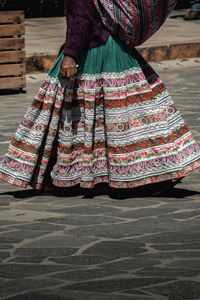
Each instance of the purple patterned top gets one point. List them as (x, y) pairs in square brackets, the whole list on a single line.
[(85, 29)]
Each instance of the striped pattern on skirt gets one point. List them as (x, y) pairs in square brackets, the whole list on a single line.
[(115, 122)]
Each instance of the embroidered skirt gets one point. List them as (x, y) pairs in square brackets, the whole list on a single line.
[(114, 122)]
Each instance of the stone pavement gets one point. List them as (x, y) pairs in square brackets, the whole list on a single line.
[(102, 246), (176, 39)]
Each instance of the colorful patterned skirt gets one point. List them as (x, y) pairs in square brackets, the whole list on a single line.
[(114, 122)]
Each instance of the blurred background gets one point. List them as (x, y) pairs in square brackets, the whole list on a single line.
[(35, 8), (47, 8)]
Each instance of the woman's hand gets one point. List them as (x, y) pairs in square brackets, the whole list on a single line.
[(68, 67)]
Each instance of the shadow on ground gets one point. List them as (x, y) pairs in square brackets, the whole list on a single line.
[(6, 92), (104, 189)]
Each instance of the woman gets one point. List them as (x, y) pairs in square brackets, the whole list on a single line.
[(111, 120)]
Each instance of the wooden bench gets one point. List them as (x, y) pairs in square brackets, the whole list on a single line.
[(12, 53)]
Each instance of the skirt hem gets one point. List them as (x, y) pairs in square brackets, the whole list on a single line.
[(105, 179)]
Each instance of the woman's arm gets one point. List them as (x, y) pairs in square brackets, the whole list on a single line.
[(79, 26)]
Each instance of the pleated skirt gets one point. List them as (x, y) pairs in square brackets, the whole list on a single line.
[(114, 122)]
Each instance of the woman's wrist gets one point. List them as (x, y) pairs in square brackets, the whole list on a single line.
[(68, 67)]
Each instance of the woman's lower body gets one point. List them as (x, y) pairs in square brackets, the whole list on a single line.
[(115, 122)]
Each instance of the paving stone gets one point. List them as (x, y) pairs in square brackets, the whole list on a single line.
[(60, 241), (179, 193), (124, 297), (188, 254), (27, 259), (58, 294), (98, 200), (185, 215), (81, 260), (172, 237), (66, 201), (13, 287), (5, 246), (171, 254), (115, 284), (89, 210), (139, 227), (186, 264), (5, 196), (114, 231), (83, 220), (4, 203), (3, 209), (39, 207), (167, 272), (45, 252), (6, 222), (4, 254), (178, 290), (163, 224), (20, 235), (38, 296), (131, 264), (116, 249), (135, 292), (132, 203), (42, 226), (183, 224), (13, 271), (34, 198), (181, 246), (76, 295), (185, 205), (82, 275), (145, 212)]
